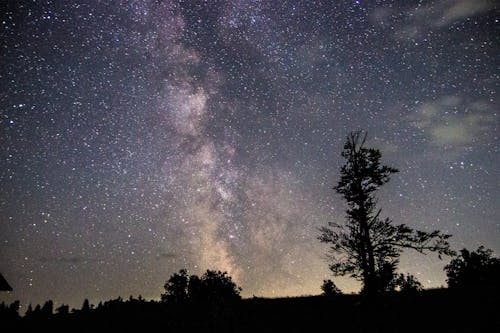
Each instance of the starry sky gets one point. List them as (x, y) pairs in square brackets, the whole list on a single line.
[(141, 137)]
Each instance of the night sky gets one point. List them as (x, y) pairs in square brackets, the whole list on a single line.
[(141, 137)]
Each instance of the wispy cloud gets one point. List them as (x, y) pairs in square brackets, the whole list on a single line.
[(453, 122), (455, 10), (421, 19)]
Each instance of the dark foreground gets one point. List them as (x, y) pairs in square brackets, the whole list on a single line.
[(439, 310)]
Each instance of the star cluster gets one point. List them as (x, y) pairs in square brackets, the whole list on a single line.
[(141, 137)]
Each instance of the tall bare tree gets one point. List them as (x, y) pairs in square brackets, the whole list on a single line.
[(368, 247)]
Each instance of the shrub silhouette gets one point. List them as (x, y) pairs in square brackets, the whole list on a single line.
[(329, 288), (62, 310), (407, 283), (473, 269)]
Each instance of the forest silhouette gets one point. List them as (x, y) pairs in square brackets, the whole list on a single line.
[(215, 306), (367, 247)]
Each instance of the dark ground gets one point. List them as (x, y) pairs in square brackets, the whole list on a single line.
[(438, 310)]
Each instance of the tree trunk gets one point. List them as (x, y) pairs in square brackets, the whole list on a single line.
[(369, 276)]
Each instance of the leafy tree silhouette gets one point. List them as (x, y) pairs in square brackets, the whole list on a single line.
[(195, 289), (176, 288), (473, 269), (368, 247), (212, 287), (217, 287), (329, 288)]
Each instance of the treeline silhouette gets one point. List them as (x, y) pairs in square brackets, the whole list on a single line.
[(212, 303)]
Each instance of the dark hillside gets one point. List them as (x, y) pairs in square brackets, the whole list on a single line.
[(439, 310)]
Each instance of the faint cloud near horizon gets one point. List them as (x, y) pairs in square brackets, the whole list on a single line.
[(453, 122)]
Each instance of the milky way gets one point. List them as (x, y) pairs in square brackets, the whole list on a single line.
[(141, 137)]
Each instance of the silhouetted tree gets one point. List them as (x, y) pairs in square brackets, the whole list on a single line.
[(389, 280), (15, 306), (47, 308), (8, 313), (213, 286), (367, 246), (62, 310), (473, 269), (37, 312), (217, 287), (85, 306), (29, 311), (176, 288), (329, 288), (407, 283), (195, 288)]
